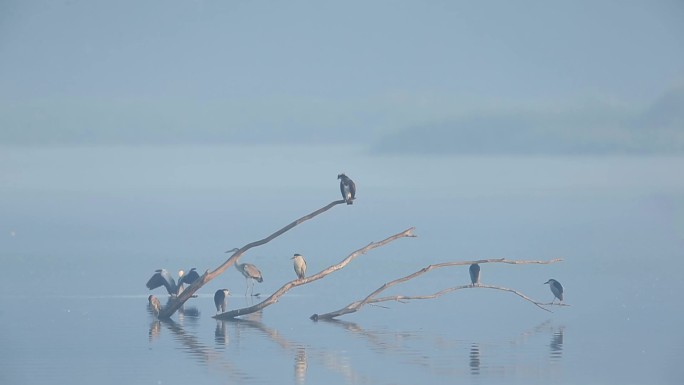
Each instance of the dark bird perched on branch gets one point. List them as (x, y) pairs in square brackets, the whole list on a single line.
[(160, 278), (188, 278), (155, 306), (348, 188), (220, 300), (556, 289), (475, 274), (299, 265)]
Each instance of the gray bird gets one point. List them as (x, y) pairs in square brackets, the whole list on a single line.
[(348, 188), (475, 274), (160, 278), (155, 306), (221, 299), (251, 274), (299, 265), (556, 289)]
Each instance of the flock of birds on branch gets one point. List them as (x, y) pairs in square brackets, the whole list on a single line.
[(251, 273)]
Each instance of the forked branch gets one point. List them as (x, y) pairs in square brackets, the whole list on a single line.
[(298, 282), (177, 302), (357, 305)]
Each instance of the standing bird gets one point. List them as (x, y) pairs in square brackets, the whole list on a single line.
[(299, 265), (556, 289), (348, 188), (220, 299), (251, 273), (475, 274), (155, 306), (160, 278)]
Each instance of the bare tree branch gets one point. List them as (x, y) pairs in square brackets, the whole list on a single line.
[(355, 306), (298, 282), (176, 303)]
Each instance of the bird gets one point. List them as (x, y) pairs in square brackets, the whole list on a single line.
[(220, 299), (348, 188), (556, 289), (475, 274), (299, 265), (250, 272), (160, 278), (155, 305), (188, 278)]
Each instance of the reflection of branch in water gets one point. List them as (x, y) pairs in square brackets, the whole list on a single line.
[(302, 354), (524, 336), (386, 345), (475, 347), (299, 351), (372, 337), (556, 344), (203, 353)]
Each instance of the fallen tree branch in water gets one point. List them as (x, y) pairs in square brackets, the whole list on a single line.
[(177, 302), (357, 305), (298, 282)]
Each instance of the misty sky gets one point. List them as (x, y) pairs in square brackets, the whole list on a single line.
[(327, 71)]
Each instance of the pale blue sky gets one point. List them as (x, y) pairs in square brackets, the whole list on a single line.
[(206, 71)]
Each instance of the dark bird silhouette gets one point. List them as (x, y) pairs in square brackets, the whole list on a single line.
[(556, 289), (221, 299), (475, 274), (348, 188), (189, 277)]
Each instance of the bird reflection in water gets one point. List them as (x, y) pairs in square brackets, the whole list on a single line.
[(300, 366), (475, 359), (155, 329), (556, 345), (221, 333)]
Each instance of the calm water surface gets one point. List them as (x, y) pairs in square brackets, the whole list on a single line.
[(82, 229)]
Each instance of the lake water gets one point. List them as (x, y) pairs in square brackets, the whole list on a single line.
[(82, 229)]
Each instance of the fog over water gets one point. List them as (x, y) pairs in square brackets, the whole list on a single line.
[(143, 135), (84, 228)]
